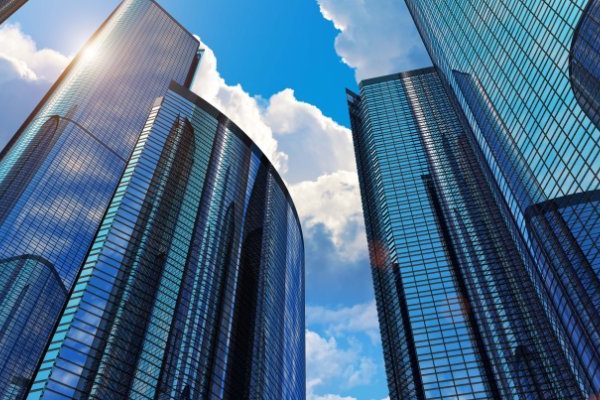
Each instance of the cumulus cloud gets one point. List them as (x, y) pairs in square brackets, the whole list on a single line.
[(333, 200), (26, 73), (312, 152), (315, 143), (376, 37), (329, 397), (333, 348), (360, 318), (291, 132), (21, 59), (327, 361), (242, 108)]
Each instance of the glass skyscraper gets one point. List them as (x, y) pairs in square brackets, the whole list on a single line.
[(194, 285), (8, 7), (31, 297), (148, 248), (459, 316), (524, 75), (61, 169), (523, 237), (584, 61)]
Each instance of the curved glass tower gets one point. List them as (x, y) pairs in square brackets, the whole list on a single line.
[(60, 170), (31, 296), (584, 61), (194, 284)]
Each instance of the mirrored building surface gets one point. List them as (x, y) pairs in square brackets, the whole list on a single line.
[(584, 61), (194, 284), (31, 296), (459, 313), (60, 170), (524, 75)]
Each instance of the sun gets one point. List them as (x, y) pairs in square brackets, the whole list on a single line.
[(90, 52)]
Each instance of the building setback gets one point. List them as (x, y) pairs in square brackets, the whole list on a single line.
[(459, 315), (523, 74), (194, 286), (60, 170)]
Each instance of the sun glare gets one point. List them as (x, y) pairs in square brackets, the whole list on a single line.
[(90, 52)]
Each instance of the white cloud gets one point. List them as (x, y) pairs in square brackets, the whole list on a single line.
[(329, 397), (315, 143), (242, 108), (21, 59), (360, 318), (377, 37), (26, 72), (289, 131), (326, 362), (317, 150), (333, 201)]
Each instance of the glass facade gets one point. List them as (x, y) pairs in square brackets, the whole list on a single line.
[(459, 314), (31, 296), (584, 61), (194, 285), (59, 172), (8, 7), (523, 74)]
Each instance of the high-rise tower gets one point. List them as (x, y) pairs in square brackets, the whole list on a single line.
[(194, 285), (526, 76), (61, 169), (458, 312), (8, 7)]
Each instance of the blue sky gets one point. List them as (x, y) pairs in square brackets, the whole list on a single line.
[(279, 69)]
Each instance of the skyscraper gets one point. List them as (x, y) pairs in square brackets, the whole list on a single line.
[(458, 313), (60, 170), (194, 285), (32, 295), (524, 75), (584, 62), (8, 7)]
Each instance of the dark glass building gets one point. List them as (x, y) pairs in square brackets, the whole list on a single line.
[(584, 61), (31, 296), (61, 169), (8, 7), (194, 284), (523, 74), (459, 315)]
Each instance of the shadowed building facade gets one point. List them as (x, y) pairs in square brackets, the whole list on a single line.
[(8, 8), (584, 61), (459, 314), (31, 296), (60, 170), (524, 75), (194, 285)]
